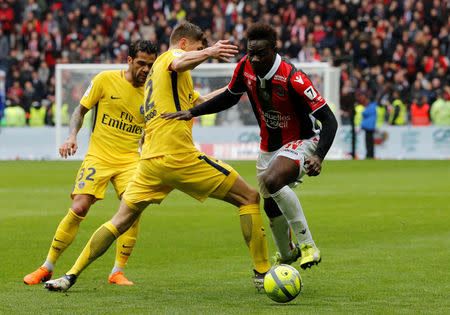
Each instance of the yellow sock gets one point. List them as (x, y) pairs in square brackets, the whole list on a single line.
[(255, 237), (64, 235), (125, 244), (96, 246)]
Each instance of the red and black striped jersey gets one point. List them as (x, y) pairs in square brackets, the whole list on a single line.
[(282, 104)]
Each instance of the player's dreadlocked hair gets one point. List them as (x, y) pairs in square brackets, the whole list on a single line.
[(261, 30), (187, 30), (145, 46)]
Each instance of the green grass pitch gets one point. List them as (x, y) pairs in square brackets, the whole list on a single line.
[(383, 228)]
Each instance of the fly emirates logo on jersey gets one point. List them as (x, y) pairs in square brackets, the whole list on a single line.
[(124, 123)]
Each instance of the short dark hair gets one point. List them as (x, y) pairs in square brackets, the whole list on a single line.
[(260, 31), (145, 46), (187, 30)]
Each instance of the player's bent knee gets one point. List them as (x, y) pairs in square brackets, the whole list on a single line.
[(250, 196), (242, 194), (125, 217), (81, 204), (273, 182)]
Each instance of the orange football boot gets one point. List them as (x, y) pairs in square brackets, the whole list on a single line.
[(119, 278), (40, 275)]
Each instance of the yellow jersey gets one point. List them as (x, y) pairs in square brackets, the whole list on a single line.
[(167, 91), (118, 117)]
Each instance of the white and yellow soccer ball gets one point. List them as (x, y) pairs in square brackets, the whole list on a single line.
[(282, 283)]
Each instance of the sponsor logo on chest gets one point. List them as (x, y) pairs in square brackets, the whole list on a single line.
[(274, 119), (279, 90)]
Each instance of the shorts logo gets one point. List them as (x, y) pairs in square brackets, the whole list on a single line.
[(81, 185), (141, 109)]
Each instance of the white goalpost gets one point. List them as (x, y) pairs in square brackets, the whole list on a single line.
[(234, 133)]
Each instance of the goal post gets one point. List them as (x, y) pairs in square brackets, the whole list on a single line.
[(213, 136)]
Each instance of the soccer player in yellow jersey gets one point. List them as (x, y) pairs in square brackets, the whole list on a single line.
[(113, 153), (169, 159)]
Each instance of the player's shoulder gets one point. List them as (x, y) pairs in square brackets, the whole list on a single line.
[(299, 80), (243, 65), (172, 53), (243, 61), (108, 74)]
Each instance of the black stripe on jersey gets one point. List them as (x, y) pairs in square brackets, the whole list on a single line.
[(239, 82), (215, 165), (176, 98), (302, 110), (95, 115), (275, 137)]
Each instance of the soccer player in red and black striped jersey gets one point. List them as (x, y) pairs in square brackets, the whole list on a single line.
[(287, 107)]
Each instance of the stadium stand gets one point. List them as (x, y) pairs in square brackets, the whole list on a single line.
[(381, 46)]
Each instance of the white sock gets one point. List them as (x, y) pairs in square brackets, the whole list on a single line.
[(115, 269), (49, 265), (281, 236), (289, 204)]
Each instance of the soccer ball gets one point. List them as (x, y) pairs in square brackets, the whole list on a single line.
[(282, 283)]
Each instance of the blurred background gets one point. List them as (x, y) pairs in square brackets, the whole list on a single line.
[(391, 53)]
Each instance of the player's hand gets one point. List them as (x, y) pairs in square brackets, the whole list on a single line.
[(181, 115), (223, 50), (313, 165), (69, 147)]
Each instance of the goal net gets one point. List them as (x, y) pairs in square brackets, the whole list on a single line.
[(232, 134)]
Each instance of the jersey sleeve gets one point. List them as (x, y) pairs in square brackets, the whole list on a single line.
[(195, 96), (175, 53), (305, 90), (93, 93), (237, 84)]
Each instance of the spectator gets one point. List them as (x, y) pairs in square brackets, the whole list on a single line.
[(369, 119), (50, 24), (15, 94), (4, 50), (44, 73), (39, 88), (2, 97), (14, 115), (420, 113), (29, 97), (3, 85), (440, 112), (398, 114), (6, 18)]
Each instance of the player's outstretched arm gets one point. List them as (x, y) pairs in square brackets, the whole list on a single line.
[(217, 104), (70, 147), (207, 97), (329, 127), (189, 60)]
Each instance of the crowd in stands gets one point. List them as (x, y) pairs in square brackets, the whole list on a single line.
[(394, 53)]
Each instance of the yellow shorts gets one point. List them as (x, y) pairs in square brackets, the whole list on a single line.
[(94, 175), (193, 173)]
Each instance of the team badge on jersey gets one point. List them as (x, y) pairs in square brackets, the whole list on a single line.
[(281, 92), (141, 109)]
